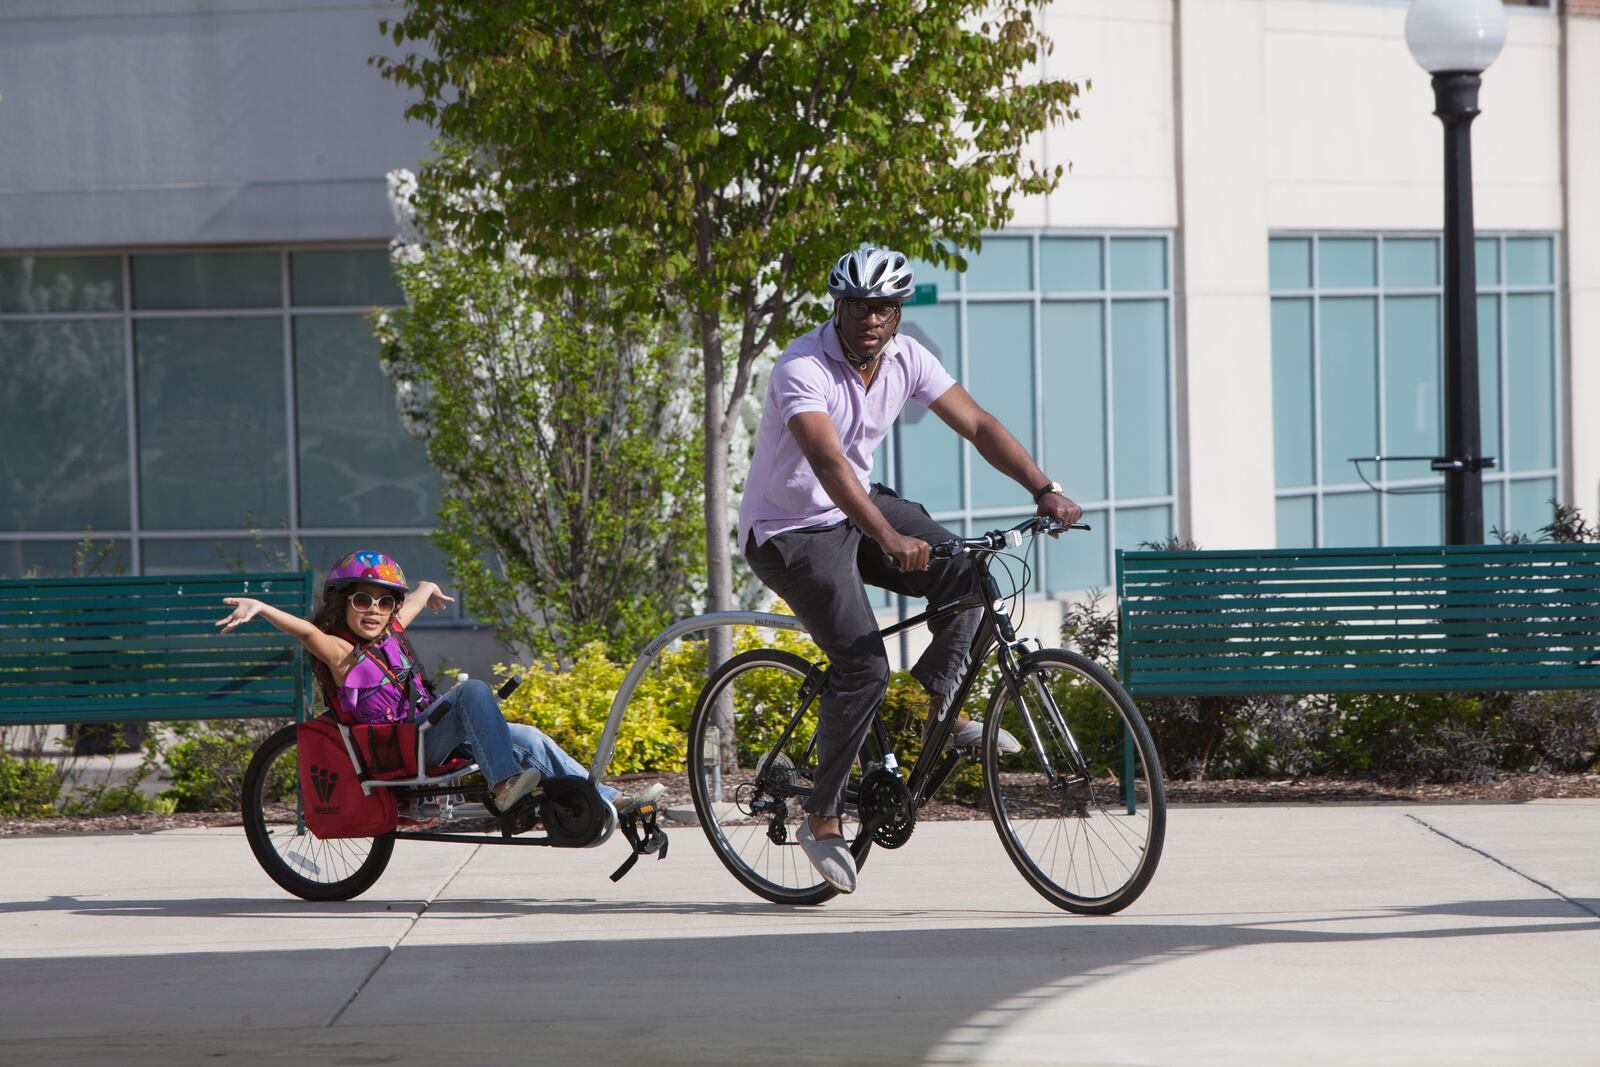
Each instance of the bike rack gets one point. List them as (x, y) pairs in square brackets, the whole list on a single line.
[(683, 628)]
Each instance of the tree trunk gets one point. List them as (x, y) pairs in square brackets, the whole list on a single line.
[(719, 564)]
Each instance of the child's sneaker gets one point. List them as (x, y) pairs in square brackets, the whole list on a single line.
[(628, 803)]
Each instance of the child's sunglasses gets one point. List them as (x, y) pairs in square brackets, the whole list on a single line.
[(366, 602)]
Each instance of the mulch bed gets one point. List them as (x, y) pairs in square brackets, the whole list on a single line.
[(1508, 789)]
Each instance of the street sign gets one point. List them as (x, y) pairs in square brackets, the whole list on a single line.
[(924, 294)]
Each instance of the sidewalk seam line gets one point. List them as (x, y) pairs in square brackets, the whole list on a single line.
[(1495, 859), (389, 951)]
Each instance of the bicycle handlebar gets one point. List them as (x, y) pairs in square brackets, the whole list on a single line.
[(995, 540)]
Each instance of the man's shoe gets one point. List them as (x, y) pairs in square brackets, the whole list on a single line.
[(969, 734), (830, 856), (523, 784), (628, 803)]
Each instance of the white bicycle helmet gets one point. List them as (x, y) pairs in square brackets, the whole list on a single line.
[(871, 274)]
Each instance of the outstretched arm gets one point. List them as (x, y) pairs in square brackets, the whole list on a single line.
[(1003, 451), (425, 595), (326, 647)]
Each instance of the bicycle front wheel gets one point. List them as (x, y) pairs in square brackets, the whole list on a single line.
[(305, 865), (1080, 809), (748, 790)]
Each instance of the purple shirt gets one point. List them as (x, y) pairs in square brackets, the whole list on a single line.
[(368, 696), (782, 491)]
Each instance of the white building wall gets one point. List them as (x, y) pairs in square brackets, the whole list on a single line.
[(1229, 120), (158, 122), (1582, 262)]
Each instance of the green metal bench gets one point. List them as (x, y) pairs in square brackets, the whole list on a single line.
[(85, 650), (1378, 620)]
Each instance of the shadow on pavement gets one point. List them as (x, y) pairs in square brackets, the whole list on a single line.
[(867, 995)]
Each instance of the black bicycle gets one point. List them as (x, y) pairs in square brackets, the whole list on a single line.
[(1080, 809)]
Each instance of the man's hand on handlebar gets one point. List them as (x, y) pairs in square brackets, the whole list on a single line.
[(1061, 508), (909, 553)]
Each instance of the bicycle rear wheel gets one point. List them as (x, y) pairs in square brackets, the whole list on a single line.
[(305, 865), (1081, 809), (748, 795)]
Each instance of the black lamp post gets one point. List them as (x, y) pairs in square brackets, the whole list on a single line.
[(1455, 41)]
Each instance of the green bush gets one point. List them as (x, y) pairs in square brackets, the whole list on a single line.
[(208, 760), (29, 788), (127, 799), (1399, 737)]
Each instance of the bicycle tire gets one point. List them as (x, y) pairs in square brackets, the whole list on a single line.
[(305, 865), (1075, 837), (762, 684)]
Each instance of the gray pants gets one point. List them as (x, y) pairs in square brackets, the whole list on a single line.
[(819, 572)]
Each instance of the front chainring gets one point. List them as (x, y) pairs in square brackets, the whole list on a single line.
[(885, 805)]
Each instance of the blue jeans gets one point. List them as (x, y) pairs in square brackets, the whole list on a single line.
[(503, 749)]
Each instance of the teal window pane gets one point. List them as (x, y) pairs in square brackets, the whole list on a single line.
[(1002, 383), (358, 466), (1292, 401), (1410, 261), (1077, 561), (1141, 430), (1531, 507), (1072, 350), (1349, 376), (63, 559), (1493, 505), (1138, 263), (207, 280), (1412, 389), (1530, 380), (1346, 262), (1529, 261), (1350, 520), (419, 557), (1416, 519), (1005, 265), (1070, 264), (1486, 253), (1140, 527), (930, 453), (1297, 522), (212, 426), (216, 555), (1491, 442), (38, 284), (360, 277), (64, 437), (1289, 262), (925, 273)]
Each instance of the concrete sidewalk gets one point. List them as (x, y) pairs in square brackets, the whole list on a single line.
[(1455, 934)]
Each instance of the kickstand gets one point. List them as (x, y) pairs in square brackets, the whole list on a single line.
[(644, 837)]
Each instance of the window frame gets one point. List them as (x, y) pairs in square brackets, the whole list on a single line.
[(967, 519), (134, 536), (1320, 489)]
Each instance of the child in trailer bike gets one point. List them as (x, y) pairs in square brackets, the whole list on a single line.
[(814, 527), (368, 674)]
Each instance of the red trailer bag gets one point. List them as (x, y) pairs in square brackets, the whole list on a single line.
[(330, 788)]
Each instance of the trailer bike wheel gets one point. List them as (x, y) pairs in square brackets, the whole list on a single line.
[(748, 788), (1081, 809), (305, 865)]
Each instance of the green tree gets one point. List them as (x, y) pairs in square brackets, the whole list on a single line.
[(713, 157), (563, 429)]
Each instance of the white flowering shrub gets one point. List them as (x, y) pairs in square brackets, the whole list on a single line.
[(566, 432)]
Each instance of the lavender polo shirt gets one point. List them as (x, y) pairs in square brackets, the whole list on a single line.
[(782, 492)]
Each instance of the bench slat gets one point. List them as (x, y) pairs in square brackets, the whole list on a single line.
[(133, 648), (1378, 620)]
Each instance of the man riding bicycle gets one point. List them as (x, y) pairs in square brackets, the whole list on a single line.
[(815, 528)]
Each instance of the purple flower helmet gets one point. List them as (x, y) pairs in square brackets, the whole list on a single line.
[(374, 568)]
